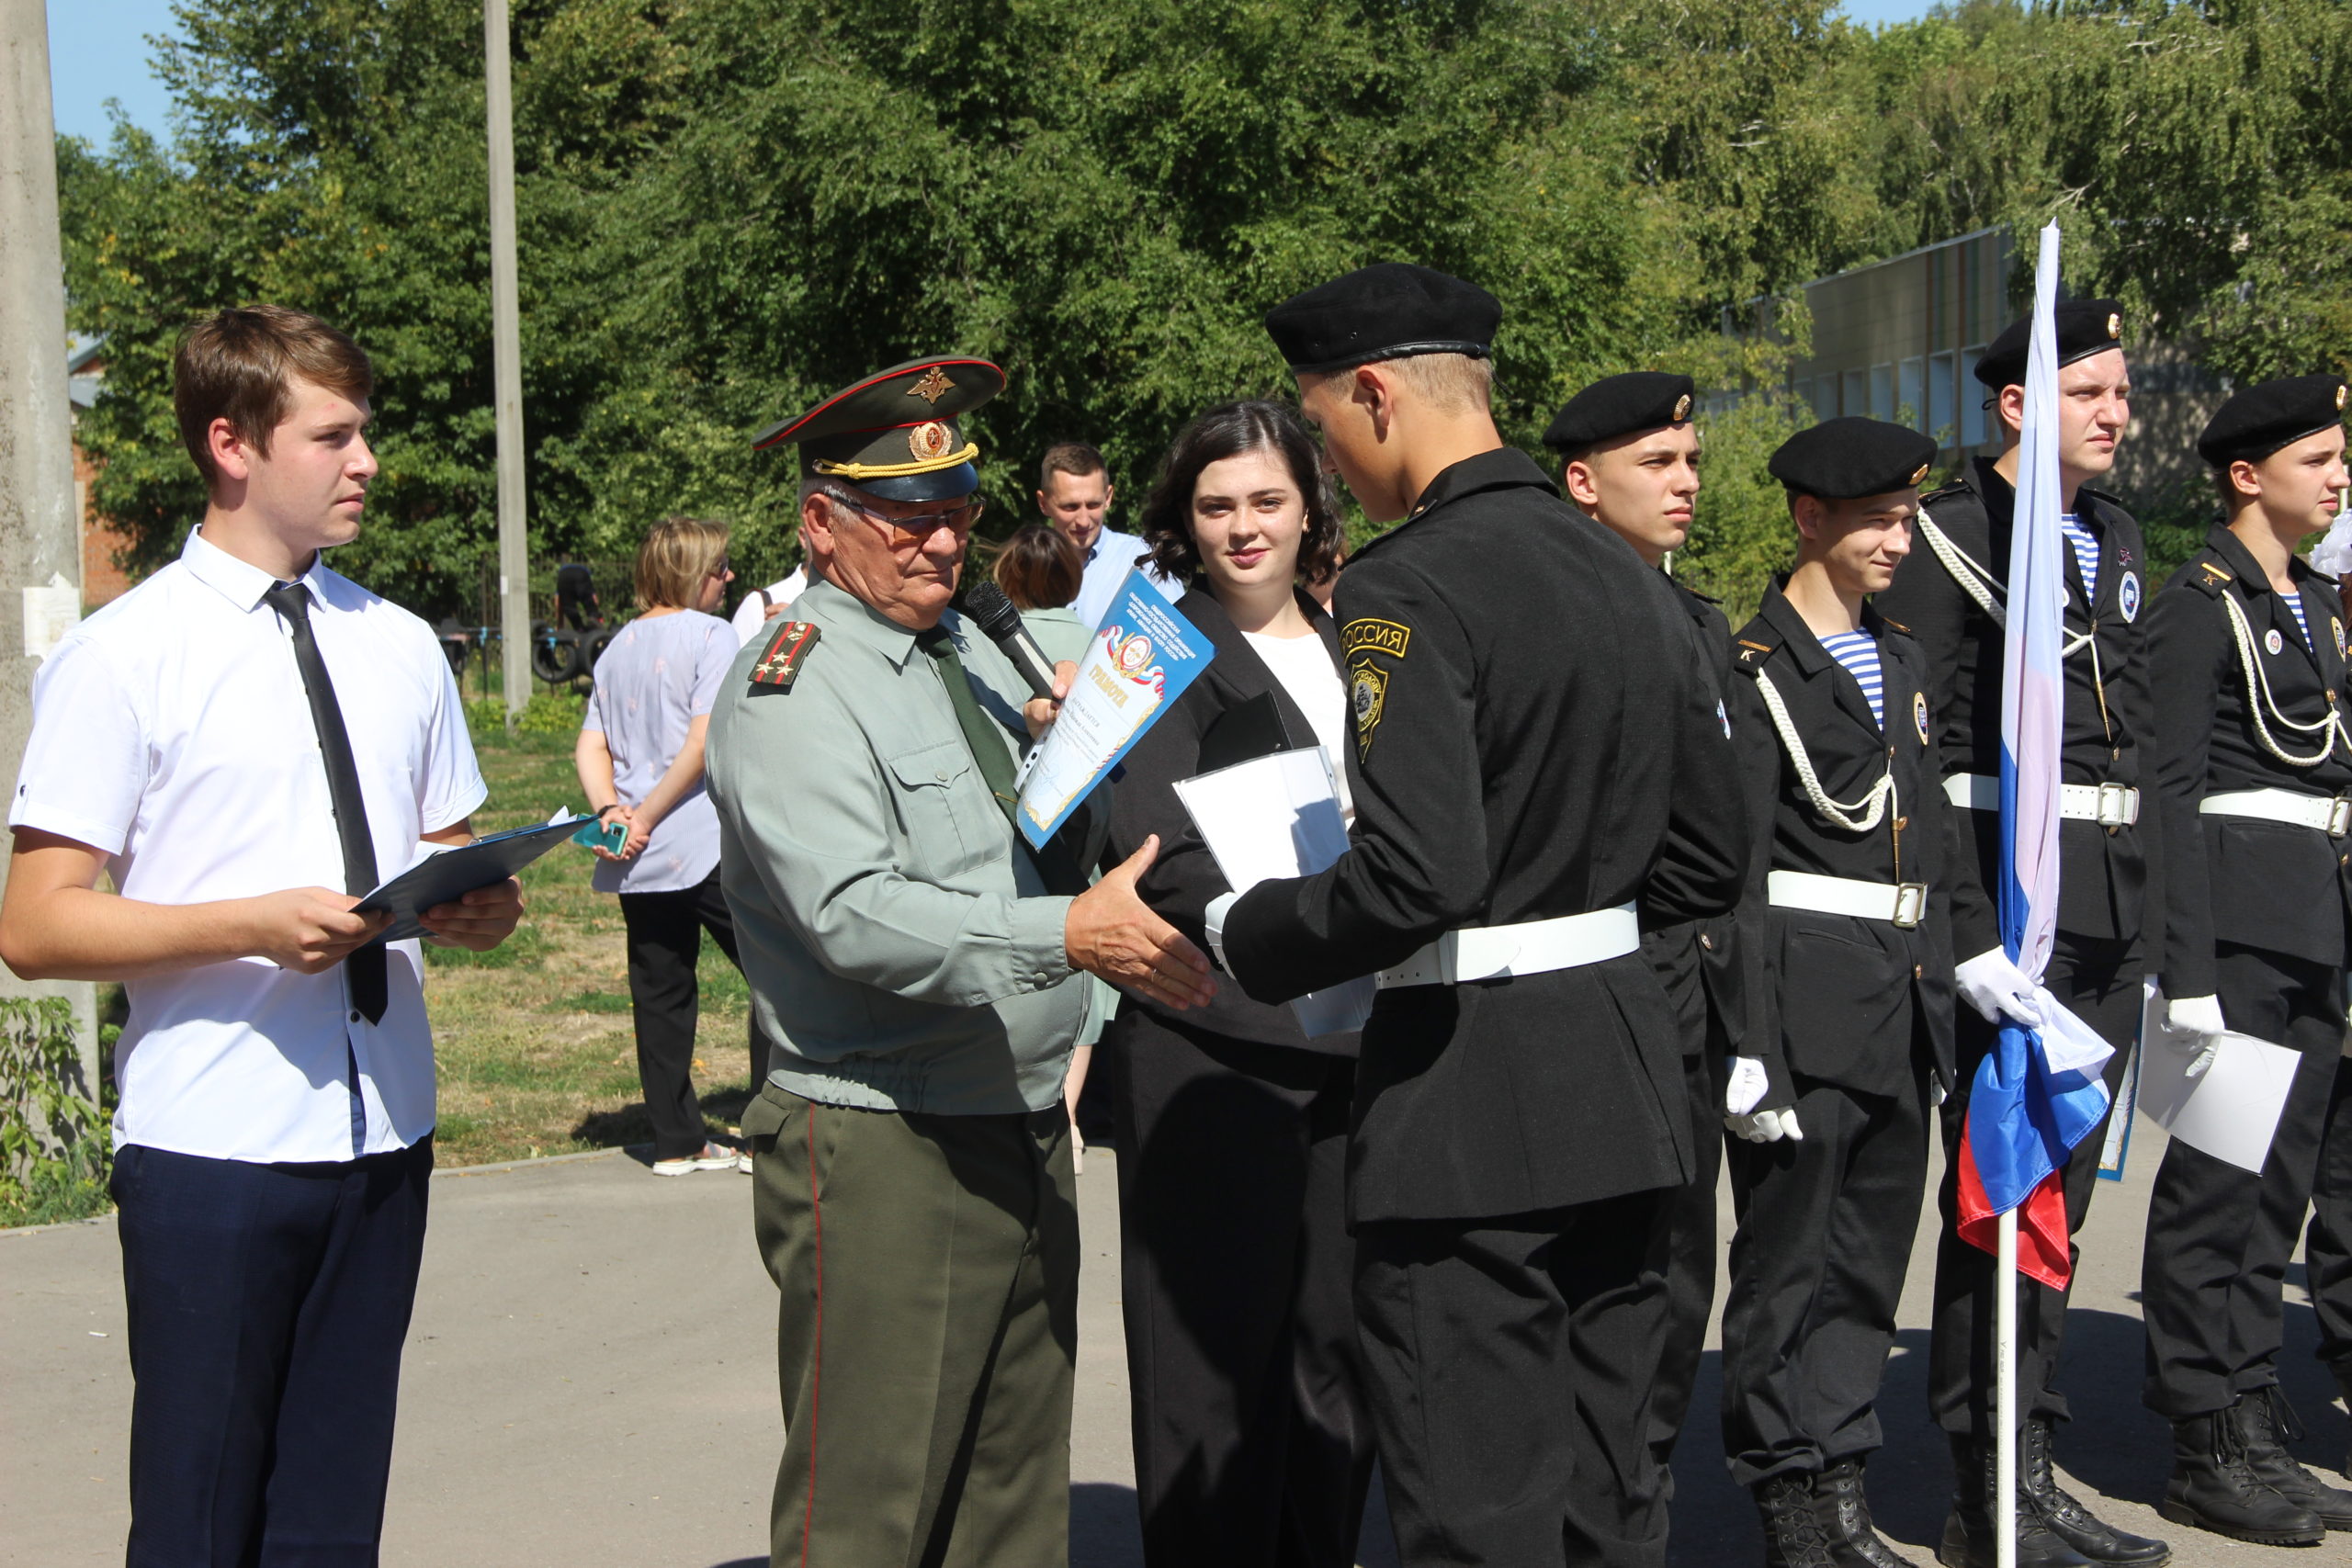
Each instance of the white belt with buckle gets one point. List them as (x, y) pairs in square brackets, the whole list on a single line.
[(2109, 805), (2329, 814), (1903, 904), (1532, 947)]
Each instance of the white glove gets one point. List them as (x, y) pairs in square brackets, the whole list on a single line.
[(1993, 986), (1766, 1126), (1747, 1085), (2195, 1024)]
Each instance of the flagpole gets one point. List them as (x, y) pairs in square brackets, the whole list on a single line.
[(2005, 1396)]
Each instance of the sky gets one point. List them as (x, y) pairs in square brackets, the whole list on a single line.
[(97, 49)]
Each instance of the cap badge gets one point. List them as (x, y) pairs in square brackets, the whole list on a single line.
[(1920, 473), (2339, 394), (2114, 324), (930, 440), (933, 385), (1682, 408)]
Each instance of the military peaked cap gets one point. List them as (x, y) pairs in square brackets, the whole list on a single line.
[(2085, 327), (1840, 459), (2269, 416), (1620, 405), (895, 435), (1384, 311)]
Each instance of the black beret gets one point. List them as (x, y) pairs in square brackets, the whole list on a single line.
[(1620, 405), (1384, 311), (1841, 458), (2085, 327), (2270, 415), (895, 433)]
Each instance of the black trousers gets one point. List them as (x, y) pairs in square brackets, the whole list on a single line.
[(268, 1308), (664, 941), (1825, 1227), (1690, 1232), (1510, 1363), (1252, 1446), (2101, 982), (2219, 1237), (2327, 1246)]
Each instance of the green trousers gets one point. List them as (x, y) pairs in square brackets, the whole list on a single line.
[(926, 1336)]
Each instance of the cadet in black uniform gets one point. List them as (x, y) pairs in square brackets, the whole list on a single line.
[(1950, 594), (1629, 454), (1844, 930), (1532, 740), (2252, 766)]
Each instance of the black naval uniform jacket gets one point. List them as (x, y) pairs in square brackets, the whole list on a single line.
[(1531, 738), (1184, 878), (1827, 993), (1697, 954), (2104, 875), (2269, 884)]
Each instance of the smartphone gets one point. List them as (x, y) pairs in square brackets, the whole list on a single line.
[(606, 836)]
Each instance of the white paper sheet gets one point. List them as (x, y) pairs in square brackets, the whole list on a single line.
[(2230, 1111), (1273, 817)]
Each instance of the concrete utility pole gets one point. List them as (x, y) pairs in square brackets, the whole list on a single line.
[(40, 536), (506, 349)]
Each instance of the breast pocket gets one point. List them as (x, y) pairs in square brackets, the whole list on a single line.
[(951, 822)]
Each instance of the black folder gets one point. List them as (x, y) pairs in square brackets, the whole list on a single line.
[(1251, 728), (448, 876)]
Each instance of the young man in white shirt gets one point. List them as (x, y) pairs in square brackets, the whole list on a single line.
[(242, 744), (1074, 493)]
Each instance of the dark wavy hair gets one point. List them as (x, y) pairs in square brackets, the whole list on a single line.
[(1038, 568), (1228, 431)]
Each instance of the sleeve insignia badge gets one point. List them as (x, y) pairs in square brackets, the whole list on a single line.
[(780, 665), (1374, 636), (1367, 700)]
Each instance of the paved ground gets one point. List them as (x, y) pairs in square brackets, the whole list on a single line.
[(591, 1382)]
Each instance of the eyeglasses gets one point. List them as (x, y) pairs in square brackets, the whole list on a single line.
[(919, 529)]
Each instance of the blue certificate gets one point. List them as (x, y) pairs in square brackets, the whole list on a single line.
[(1141, 658)]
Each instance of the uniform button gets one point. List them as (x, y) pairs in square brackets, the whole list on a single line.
[(1706, 942), (943, 775), (1901, 823), (355, 1015), (1890, 750), (1918, 972)]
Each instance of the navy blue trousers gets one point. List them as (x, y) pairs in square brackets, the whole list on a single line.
[(267, 1305)]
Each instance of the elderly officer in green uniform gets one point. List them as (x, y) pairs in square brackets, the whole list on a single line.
[(912, 958)]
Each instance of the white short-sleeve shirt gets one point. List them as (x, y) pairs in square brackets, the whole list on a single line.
[(171, 731)]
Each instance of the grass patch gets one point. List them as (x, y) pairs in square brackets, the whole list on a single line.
[(537, 1054)]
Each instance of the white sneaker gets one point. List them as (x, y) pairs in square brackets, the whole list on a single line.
[(712, 1158), (743, 1162)]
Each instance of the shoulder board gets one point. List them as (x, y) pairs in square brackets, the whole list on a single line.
[(2207, 577), (780, 664), (1754, 645), (1952, 492)]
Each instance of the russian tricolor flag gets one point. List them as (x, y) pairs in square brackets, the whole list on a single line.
[(2039, 1092)]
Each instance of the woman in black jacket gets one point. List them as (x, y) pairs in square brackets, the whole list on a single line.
[(1251, 1444)]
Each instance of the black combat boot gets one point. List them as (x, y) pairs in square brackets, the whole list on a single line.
[(2268, 1422), (2066, 1516), (1845, 1513), (2214, 1488), (1970, 1538), (1792, 1534)]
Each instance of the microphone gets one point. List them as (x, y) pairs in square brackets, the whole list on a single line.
[(985, 605)]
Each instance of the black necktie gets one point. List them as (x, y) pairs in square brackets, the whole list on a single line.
[(365, 968)]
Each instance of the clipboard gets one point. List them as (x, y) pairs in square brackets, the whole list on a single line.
[(448, 876)]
